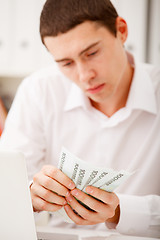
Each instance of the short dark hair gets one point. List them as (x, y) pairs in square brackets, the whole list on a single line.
[(59, 16)]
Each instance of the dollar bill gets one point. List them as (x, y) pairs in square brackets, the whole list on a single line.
[(84, 174)]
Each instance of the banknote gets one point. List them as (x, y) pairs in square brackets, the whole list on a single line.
[(84, 174)]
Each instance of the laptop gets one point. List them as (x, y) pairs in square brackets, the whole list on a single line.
[(16, 213)]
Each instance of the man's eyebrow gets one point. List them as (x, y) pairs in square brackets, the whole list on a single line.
[(83, 51), (89, 47)]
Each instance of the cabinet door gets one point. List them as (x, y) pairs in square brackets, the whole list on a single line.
[(24, 28), (21, 50), (5, 35), (43, 57), (29, 52)]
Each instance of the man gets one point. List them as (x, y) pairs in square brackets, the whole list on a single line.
[(103, 107)]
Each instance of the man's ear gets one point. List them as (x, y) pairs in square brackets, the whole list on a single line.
[(122, 29)]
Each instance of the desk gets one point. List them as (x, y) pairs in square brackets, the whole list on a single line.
[(76, 234)]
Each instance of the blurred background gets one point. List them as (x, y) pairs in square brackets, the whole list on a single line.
[(21, 50)]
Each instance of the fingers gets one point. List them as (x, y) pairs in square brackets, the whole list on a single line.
[(79, 220), (50, 184), (59, 176), (99, 207), (103, 210), (54, 180), (52, 189), (42, 205), (104, 196), (49, 187), (47, 195)]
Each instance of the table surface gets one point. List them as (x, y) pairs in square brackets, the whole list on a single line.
[(76, 234)]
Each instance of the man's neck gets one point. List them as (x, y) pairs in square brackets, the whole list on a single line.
[(119, 99)]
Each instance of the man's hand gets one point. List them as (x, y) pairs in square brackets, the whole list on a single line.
[(49, 188), (107, 209)]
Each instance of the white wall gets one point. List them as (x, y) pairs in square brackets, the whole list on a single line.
[(143, 18), (154, 33)]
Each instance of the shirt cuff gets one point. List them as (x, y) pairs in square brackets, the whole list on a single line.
[(134, 215)]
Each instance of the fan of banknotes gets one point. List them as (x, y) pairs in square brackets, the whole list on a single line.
[(84, 174)]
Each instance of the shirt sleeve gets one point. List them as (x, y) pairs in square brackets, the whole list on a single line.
[(140, 215), (24, 127)]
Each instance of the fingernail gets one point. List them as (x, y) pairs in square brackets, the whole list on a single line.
[(75, 192), (89, 190), (71, 185)]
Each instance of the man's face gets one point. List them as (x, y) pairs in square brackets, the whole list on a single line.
[(92, 57)]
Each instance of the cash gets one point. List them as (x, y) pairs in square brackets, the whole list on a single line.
[(84, 174)]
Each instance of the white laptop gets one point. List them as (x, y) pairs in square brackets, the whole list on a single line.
[(16, 214)]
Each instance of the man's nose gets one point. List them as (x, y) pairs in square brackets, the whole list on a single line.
[(85, 72)]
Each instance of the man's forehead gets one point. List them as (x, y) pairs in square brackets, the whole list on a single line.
[(75, 40), (79, 52)]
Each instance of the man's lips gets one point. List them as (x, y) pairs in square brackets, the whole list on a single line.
[(95, 89)]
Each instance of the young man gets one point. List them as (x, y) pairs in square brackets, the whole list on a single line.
[(103, 107)]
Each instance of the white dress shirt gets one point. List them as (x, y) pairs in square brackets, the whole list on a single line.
[(49, 112)]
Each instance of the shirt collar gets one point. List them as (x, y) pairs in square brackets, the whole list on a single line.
[(141, 95), (76, 98), (142, 92)]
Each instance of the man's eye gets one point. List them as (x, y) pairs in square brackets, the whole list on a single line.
[(92, 53), (67, 64)]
